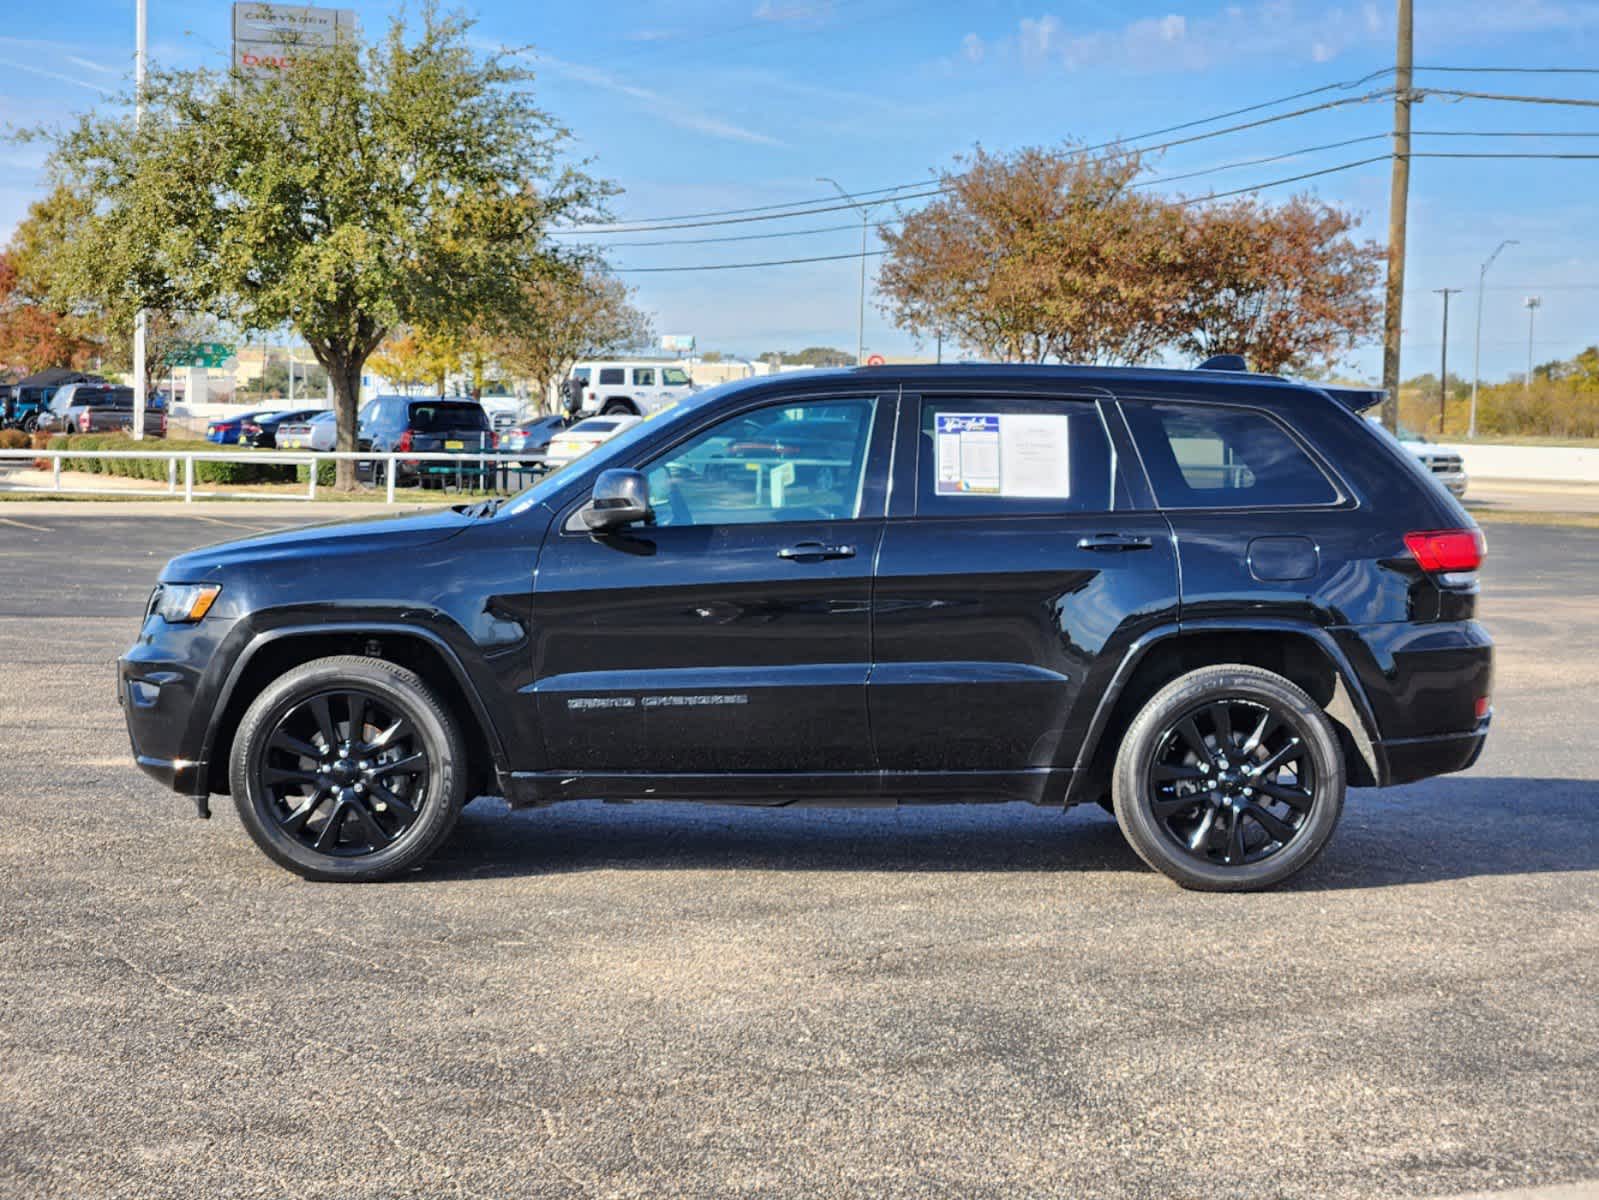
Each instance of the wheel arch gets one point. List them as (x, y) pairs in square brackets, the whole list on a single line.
[(1304, 654), (270, 653), (625, 403)]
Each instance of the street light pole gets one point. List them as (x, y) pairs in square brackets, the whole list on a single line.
[(1476, 349), (866, 210), (140, 383), (1533, 303), (1443, 364)]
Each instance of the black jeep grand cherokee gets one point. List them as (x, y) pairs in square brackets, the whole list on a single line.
[(1207, 600)]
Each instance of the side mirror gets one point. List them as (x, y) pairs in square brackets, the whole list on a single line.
[(621, 497)]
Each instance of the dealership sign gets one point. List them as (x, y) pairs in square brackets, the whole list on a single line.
[(265, 36)]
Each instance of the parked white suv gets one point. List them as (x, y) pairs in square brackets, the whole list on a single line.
[(639, 388), (1446, 464)]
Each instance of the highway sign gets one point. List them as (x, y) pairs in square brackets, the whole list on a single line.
[(199, 354)]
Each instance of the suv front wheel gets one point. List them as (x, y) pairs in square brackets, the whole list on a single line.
[(1230, 779), (347, 769)]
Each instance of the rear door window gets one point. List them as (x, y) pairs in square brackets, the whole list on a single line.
[(643, 376), (1016, 456), (1215, 456)]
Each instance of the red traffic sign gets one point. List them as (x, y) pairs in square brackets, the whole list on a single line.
[(875, 360)]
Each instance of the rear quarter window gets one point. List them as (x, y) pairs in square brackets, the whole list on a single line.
[(612, 376), (1216, 456)]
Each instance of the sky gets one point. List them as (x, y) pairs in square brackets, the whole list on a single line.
[(710, 105)]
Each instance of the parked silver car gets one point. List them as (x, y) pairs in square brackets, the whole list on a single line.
[(318, 433)]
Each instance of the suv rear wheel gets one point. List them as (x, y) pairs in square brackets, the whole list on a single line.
[(615, 408), (347, 769), (1229, 779)]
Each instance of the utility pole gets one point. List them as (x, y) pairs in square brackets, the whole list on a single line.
[(1443, 360), (140, 383), (866, 211), (1533, 304), (1398, 203), (1476, 351)]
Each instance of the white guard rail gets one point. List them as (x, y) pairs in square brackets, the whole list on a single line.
[(526, 466)]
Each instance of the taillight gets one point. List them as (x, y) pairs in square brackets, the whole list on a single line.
[(1484, 707), (163, 424), (1447, 550), (494, 441), (83, 421), (405, 441)]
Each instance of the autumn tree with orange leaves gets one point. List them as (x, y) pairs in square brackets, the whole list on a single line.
[(1050, 254)]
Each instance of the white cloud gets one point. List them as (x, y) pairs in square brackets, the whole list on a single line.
[(1039, 37), (673, 112), (56, 75), (789, 12), (1285, 30), (89, 65)]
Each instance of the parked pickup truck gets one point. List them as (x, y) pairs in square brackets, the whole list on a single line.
[(98, 408)]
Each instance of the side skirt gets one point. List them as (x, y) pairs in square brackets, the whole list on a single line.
[(835, 789)]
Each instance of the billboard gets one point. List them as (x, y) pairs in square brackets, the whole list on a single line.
[(265, 35), (678, 343)]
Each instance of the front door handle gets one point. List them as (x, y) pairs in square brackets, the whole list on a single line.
[(1112, 542), (800, 550)]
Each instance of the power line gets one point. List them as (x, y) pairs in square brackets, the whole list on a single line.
[(883, 224), (641, 227), (1342, 85), (1496, 154), (1574, 101), (785, 262), (1515, 133), (1515, 70)]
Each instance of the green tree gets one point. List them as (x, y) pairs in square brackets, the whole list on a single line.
[(571, 318), (409, 182)]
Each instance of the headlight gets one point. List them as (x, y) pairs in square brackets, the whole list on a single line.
[(182, 603)]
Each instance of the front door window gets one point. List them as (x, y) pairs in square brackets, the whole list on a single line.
[(786, 463)]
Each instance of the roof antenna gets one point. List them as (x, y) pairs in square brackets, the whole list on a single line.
[(1224, 362)]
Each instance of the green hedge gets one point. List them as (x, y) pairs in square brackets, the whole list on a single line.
[(230, 473), (324, 473)]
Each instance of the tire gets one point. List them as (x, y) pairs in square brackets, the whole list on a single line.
[(363, 791), (618, 408), (1177, 798)]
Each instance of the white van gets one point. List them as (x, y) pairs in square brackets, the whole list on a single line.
[(639, 388)]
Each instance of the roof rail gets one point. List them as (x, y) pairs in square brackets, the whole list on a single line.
[(1225, 362)]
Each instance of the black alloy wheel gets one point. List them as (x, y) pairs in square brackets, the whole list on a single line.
[(1231, 781), (1230, 778), (347, 769), (345, 773)]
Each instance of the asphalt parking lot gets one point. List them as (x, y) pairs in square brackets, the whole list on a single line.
[(647, 1001)]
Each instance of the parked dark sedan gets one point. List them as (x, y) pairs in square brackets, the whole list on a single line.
[(1207, 600), (226, 431), (261, 430)]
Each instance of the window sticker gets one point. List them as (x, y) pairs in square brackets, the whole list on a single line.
[(968, 454), (1022, 455)]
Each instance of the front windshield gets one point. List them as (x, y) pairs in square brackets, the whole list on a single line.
[(608, 452)]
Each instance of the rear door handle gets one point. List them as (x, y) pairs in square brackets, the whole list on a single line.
[(1112, 542), (816, 550)]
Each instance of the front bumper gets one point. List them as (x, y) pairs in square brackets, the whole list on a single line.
[(158, 682)]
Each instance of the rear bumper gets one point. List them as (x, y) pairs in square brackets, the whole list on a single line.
[(1410, 759)]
